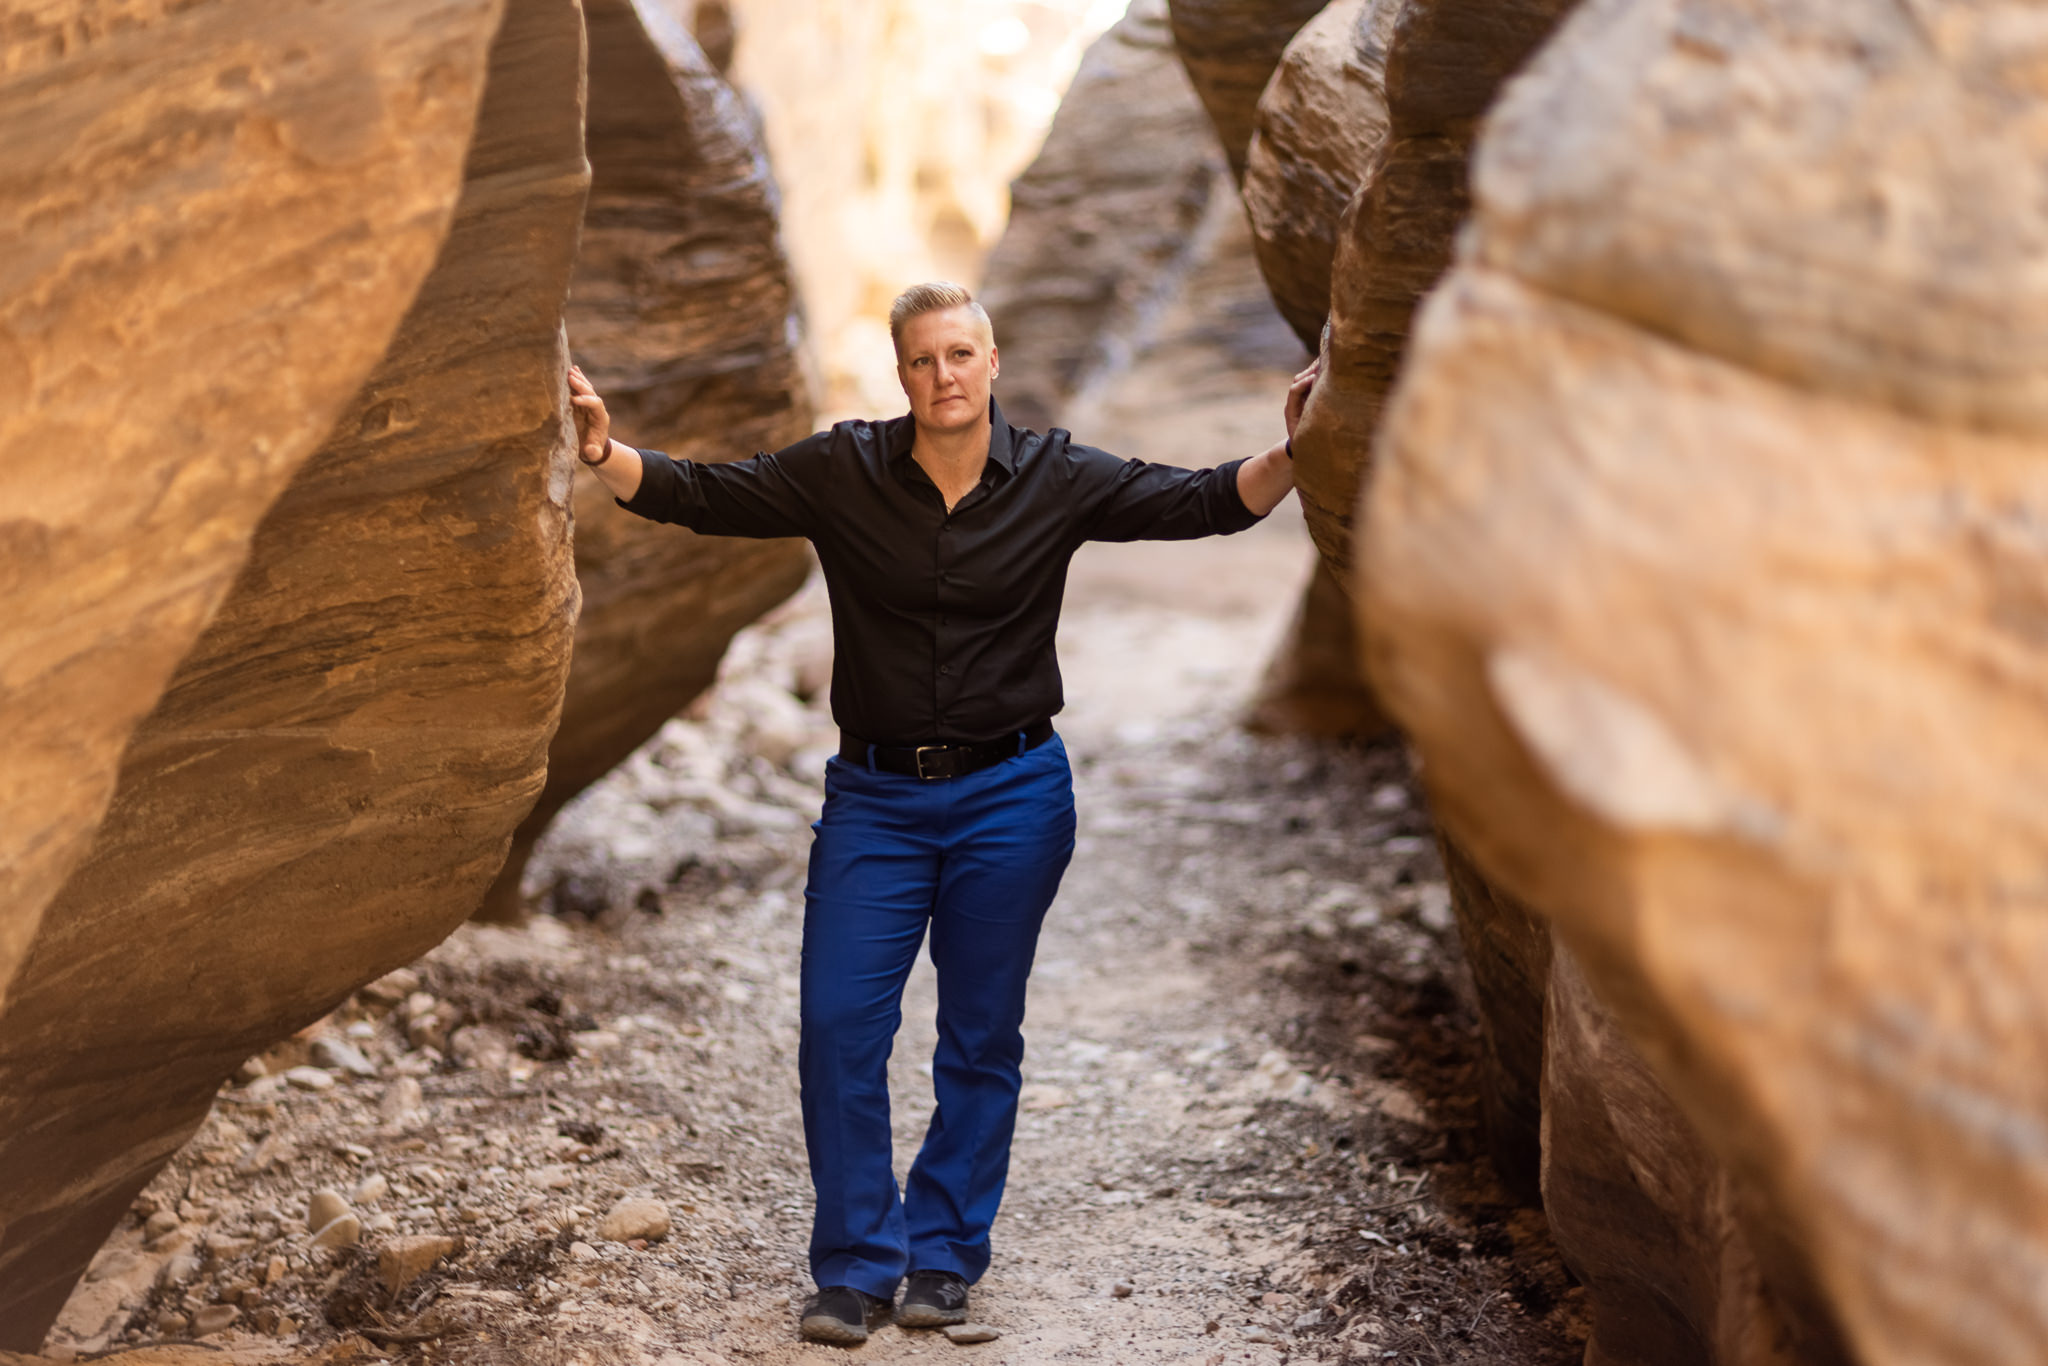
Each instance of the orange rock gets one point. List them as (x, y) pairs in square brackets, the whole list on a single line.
[(1230, 48), (328, 782), (231, 204), (1714, 621)]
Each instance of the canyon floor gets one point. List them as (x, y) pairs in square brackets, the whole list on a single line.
[(1249, 1126)]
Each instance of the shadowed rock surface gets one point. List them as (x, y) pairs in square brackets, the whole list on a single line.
[(1714, 625), (1230, 48), (682, 314), (213, 271), (329, 781), (1104, 224), (1646, 1215), (1318, 129)]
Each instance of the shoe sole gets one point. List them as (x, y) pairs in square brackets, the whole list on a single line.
[(928, 1316), (820, 1328)]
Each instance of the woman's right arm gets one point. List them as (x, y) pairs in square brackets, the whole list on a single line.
[(757, 497)]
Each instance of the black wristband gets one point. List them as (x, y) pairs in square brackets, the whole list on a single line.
[(1289, 445), (601, 459)]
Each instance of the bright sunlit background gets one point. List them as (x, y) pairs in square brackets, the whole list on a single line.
[(896, 127)]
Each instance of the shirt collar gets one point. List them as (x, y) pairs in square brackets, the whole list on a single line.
[(1002, 438)]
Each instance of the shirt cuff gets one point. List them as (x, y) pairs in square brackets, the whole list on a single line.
[(657, 485), (1231, 513)]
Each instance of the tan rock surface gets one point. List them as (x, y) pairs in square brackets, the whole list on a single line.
[(1230, 48), (1104, 224), (214, 272), (1444, 63), (1714, 623), (329, 781), (1318, 129), (683, 316)]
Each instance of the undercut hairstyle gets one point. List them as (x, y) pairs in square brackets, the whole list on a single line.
[(934, 296)]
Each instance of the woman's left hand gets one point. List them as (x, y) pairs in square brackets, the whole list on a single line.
[(1297, 394)]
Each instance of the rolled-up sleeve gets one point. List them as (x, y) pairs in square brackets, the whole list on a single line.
[(760, 497), (1130, 500)]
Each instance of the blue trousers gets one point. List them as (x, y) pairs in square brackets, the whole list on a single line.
[(979, 859)]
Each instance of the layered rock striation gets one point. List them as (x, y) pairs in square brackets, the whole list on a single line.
[(683, 315), (221, 211), (1715, 624), (1230, 48), (328, 780), (1318, 130), (1444, 61)]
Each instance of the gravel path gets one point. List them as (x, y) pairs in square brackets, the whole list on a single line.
[(1248, 1126)]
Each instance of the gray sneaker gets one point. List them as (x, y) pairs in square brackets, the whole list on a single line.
[(933, 1299), (839, 1313)]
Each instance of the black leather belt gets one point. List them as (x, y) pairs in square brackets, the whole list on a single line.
[(932, 762)]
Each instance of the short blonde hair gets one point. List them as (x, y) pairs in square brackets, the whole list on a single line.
[(933, 296)]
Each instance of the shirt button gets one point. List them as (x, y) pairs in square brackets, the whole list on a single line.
[(945, 670)]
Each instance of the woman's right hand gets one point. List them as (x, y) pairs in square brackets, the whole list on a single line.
[(593, 423)]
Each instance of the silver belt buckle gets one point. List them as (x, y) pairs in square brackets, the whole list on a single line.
[(918, 757)]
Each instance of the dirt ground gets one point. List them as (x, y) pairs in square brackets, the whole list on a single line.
[(1249, 1120)]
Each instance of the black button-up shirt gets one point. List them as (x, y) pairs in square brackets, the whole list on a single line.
[(942, 623)]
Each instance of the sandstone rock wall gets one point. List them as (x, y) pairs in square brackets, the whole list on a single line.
[(329, 779), (1444, 61), (897, 126), (683, 315), (1230, 48), (1105, 224), (208, 260), (1714, 624), (1317, 132)]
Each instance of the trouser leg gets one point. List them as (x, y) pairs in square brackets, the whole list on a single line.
[(873, 875), (1008, 841)]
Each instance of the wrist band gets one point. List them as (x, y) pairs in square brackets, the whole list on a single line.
[(1289, 444), (601, 459)]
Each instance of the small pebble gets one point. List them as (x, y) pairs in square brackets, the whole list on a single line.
[(405, 1260), (274, 1270), (346, 1231), (171, 1323), (323, 1208), (1122, 1290), (214, 1318), (1261, 1334), (582, 1252), (340, 1054), (631, 1218), (164, 1221), (310, 1079), (965, 1333), (371, 1189)]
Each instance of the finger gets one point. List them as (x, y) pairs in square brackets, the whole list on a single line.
[(588, 402)]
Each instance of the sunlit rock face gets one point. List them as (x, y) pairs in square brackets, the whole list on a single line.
[(683, 316), (328, 782), (1444, 62), (896, 127), (219, 258), (1715, 621), (1106, 222), (1319, 125), (1230, 48)]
